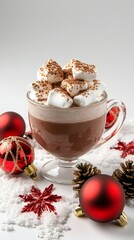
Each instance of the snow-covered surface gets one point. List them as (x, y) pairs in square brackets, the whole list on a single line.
[(51, 226)]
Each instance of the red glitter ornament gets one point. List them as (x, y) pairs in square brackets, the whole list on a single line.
[(112, 116), (11, 124), (16, 156), (126, 148), (102, 198), (40, 201)]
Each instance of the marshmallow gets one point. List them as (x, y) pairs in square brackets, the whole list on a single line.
[(51, 71), (69, 65), (73, 87), (68, 74), (67, 69), (85, 98), (93, 94), (83, 71), (59, 98), (80, 70), (98, 88), (39, 90)]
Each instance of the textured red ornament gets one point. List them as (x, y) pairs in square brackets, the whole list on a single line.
[(11, 124), (112, 116), (38, 201), (102, 198), (15, 154)]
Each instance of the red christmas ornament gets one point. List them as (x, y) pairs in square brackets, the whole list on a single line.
[(16, 156), (112, 116), (11, 124), (38, 201), (102, 198)]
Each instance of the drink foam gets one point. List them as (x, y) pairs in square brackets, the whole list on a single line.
[(69, 115)]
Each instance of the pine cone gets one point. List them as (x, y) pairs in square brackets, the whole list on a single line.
[(126, 177), (83, 172)]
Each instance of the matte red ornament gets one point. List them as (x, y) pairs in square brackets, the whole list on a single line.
[(112, 116), (11, 124), (102, 198), (16, 156)]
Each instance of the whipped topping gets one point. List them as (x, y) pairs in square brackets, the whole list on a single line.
[(51, 71), (39, 90), (85, 98), (59, 98), (73, 87), (74, 84)]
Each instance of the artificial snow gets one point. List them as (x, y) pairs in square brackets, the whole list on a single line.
[(51, 226)]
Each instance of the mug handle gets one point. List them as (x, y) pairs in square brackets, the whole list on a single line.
[(111, 132)]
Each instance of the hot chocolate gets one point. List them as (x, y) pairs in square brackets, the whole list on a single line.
[(67, 141), (66, 115), (67, 133), (67, 108)]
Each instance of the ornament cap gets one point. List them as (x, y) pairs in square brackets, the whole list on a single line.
[(78, 212), (122, 220), (31, 170)]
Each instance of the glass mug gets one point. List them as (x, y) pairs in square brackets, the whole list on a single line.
[(70, 133)]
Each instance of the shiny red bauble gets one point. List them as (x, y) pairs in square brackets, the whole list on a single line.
[(112, 116), (11, 124), (102, 198), (15, 154)]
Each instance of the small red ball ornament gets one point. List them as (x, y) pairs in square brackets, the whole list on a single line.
[(102, 198), (11, 124), (16, 156), (112, 116)]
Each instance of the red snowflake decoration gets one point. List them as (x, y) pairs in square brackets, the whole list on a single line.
[(40, 201), (126, 148)]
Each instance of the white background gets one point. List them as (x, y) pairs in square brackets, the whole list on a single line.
[(99, 32)]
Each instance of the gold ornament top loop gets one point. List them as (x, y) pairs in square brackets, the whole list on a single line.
[(122, 220), (78, 212), (30, 170)]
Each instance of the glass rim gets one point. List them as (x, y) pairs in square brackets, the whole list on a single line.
[(66, 109)]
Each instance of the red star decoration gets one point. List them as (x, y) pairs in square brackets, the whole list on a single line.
[(126, 148), (40, 201)]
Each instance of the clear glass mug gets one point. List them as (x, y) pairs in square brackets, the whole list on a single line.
[(70, 133)]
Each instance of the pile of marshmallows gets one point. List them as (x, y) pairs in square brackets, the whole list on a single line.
[(73, 85)]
